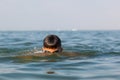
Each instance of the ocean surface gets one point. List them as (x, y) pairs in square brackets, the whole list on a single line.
[(99, 60)]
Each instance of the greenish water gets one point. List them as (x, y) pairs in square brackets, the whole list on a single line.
[(99, 56)]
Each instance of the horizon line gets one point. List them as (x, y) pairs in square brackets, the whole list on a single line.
[(70, 30)]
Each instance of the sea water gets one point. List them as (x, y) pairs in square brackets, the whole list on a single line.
[(100, 58)]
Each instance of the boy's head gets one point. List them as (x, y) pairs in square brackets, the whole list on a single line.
[(52, 43)]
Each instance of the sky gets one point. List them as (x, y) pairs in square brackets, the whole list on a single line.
[(59, 14)]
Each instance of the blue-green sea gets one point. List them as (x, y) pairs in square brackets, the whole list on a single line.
[(99, 57)]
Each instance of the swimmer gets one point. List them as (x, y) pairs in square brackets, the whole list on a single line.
[(51, 46)]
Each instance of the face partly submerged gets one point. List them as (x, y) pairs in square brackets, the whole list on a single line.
[(52, 50)]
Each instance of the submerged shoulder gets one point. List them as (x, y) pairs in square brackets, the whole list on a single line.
[(43, 54), (70, 54)]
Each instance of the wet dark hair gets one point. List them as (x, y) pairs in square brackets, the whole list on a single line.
[(52, 41)]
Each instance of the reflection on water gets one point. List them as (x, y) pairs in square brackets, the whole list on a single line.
[(88, 55)]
